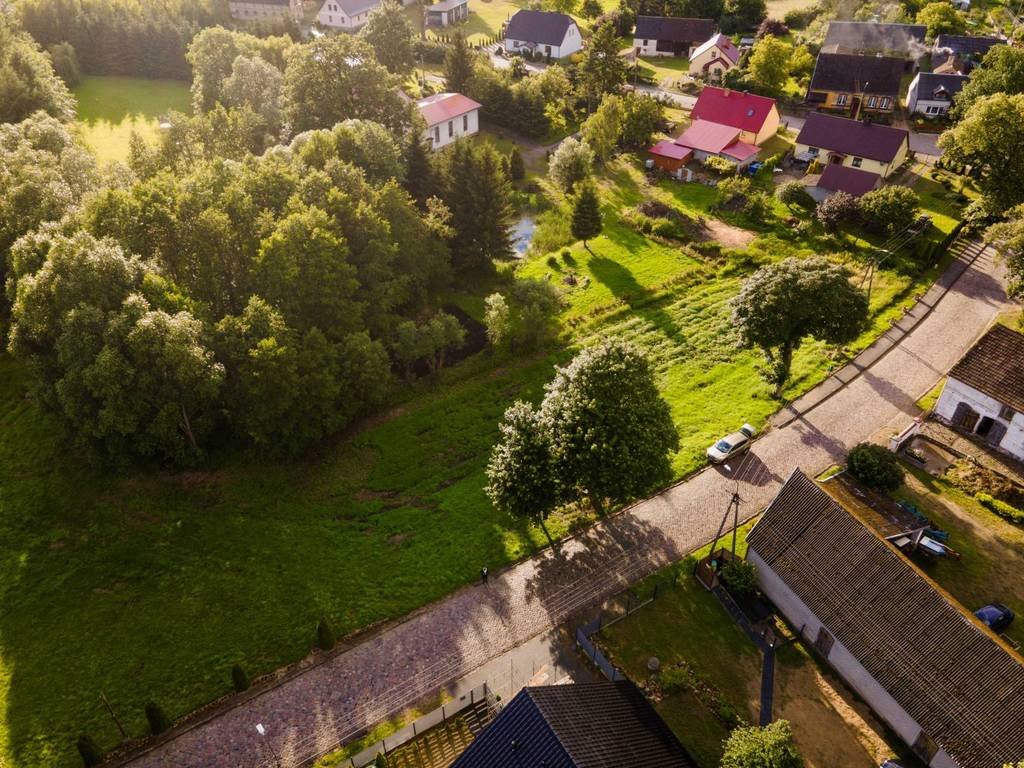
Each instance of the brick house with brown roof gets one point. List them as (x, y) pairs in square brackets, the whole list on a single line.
[(984, 393), (952, 690)]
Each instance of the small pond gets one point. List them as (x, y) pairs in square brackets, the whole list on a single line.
[(522, 234)]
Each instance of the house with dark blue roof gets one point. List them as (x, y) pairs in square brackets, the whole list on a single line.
[(586, 725)]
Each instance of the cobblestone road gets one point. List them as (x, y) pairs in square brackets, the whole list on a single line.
[(330, 702)]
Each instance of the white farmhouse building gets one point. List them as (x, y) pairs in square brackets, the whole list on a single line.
[(984, 394), (932, 94), (936, 675), (347, 15), (550, 34), (449, 116), (262, 10)]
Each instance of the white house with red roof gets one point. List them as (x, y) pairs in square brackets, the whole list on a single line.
[(449, 116), (712, 59)]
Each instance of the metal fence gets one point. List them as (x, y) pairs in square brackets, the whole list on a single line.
[(616, 609), (480, 694)]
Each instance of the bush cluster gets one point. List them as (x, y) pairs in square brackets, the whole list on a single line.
[(875, 466), (740, 577), (1001, 508)]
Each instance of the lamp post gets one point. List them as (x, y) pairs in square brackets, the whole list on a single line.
[(262, 731)]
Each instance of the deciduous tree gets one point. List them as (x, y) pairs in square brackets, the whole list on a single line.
[(1001, 71), (1008, 238), (989, 138), (27, 80), (890, 208), (611, 431), (768, 747), (521, 476), (571, 163), (942, 18), (782, 304), (337, 77), (768, 67), (389, 32)]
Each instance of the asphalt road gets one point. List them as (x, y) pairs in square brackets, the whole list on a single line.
[(392, 669)]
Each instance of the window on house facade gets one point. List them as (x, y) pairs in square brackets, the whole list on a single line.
[(1006, 412), (451, 128), (873, 102), (856, 162), (437, 134), (824, 642), (931, 111), (645, 43), (465, 122), (841, 100), (885, 102)]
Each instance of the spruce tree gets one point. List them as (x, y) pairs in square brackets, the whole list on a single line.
[(419, 173), (458, 65), (516, 166), (586, 215)]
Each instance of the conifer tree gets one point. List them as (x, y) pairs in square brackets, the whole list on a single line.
[(458, 65), (586, 215)]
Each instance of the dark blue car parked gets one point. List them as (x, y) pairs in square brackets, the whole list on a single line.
[(995, 616)]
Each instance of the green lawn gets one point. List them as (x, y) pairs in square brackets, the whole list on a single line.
[(110, 108), (686, 625), (150, 585), (992, 548)]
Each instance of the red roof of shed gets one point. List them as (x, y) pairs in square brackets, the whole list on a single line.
[(707, 136), (444, 106), (853, 181), (745, 111), (668, 148)]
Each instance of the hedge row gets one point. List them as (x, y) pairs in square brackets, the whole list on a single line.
[(1001, 508)]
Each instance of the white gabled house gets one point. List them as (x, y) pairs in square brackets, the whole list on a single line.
[(550, 34), (348, 15), (932, 94), (449, 116), (984, 393)]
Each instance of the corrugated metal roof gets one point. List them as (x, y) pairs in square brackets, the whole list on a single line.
[(995, 366), (708, 136), (962, 687), (668, 148), (445, 106), (746, 111)]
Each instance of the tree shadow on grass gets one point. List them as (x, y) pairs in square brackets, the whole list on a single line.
[(621, 282)]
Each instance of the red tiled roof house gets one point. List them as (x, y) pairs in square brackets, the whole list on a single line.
[(449, 116), (727, 124)]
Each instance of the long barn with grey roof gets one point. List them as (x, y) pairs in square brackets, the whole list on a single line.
[(951, 689)]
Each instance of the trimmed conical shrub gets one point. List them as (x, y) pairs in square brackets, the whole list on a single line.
[(324, 635), (239, 679), (157, 718), (89, 750)]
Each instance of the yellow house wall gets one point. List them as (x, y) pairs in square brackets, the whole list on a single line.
[(769, 129), (867, 164)]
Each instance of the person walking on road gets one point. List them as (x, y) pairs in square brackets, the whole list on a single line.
[(483, 576)]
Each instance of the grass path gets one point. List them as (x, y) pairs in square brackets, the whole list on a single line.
[(110, 108)]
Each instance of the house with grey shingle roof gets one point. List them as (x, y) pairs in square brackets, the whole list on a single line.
[(905, 41), (984, 393), (931, 93), (550, 34), (950, 688), (584, 725)]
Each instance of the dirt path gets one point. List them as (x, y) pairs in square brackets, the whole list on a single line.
[(331, 702), (728, 235)]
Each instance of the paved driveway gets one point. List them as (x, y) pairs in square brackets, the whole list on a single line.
[(444, 641)]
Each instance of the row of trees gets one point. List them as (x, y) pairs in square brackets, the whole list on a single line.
[(122, 37), (27, 80)]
